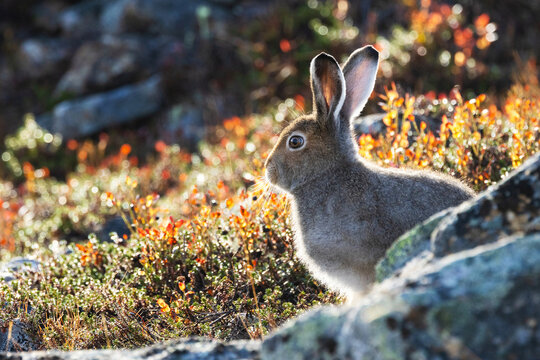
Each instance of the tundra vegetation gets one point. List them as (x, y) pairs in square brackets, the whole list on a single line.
[(140, 244)]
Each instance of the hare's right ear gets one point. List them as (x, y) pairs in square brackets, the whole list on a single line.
[(328, 87), (360, 71)]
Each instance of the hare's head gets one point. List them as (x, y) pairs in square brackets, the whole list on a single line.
[(313, 144)]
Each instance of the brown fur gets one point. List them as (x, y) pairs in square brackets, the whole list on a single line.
[(347, 211)]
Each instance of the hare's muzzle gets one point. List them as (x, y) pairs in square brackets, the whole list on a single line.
[(270, 172)]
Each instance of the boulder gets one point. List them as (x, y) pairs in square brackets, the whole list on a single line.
[(43, 57), (107, 63), (8, 270), (81, 19), (15, 337), (169, 17), (482, 303), (186, 349), (369, 124), (413, 244), (91, 114), (373, 124), (184, 123), (510, 207), (113, 225)]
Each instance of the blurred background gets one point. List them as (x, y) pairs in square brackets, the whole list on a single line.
[(143, 70)]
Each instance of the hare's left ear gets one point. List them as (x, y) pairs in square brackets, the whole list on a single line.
[(328, 87), (360, 71)]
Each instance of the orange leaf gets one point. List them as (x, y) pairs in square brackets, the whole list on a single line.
[(285, 45), (481, 21), (160, 146), (72, 144), (125, 149), (244, 212), (163, 305)]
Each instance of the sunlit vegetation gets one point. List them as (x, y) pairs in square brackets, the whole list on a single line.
[(476, 142), (213, 255)]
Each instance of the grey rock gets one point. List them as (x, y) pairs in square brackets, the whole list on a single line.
[(510, 207), (479, 303), (184, 123), (94, 113), (46, 15), (155, 16), (113, 225), (413, 243), (15, 337), (8, 270), (45, 120), (373, 124), (185, 349), (43, 57), (104, 64), (81, 19), (369, 124)]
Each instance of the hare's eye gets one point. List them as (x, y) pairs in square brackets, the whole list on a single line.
[(296, 142)]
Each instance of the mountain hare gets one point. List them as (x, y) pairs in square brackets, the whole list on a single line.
[(347, 211)]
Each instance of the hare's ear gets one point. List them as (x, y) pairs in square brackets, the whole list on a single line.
[(360, 71), (328, 87)]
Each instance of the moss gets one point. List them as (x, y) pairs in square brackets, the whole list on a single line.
[(408, 246)]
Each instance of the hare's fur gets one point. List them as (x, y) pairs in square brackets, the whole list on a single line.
[(347, 211)]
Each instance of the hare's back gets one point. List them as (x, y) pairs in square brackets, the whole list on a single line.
[(416, 195)]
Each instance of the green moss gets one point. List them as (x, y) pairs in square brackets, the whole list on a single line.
[(407, 246)]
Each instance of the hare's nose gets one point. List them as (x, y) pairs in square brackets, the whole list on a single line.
[(267, 161)]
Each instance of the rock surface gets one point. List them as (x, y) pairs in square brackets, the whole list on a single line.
[(482, 303), (169, 17), (105, 64), (184, 121), (43, 57), (185, 349), (14, 337), (412, 244), (373, 124), (8, 270), (93, 113), (81, 19), (510, 207)]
